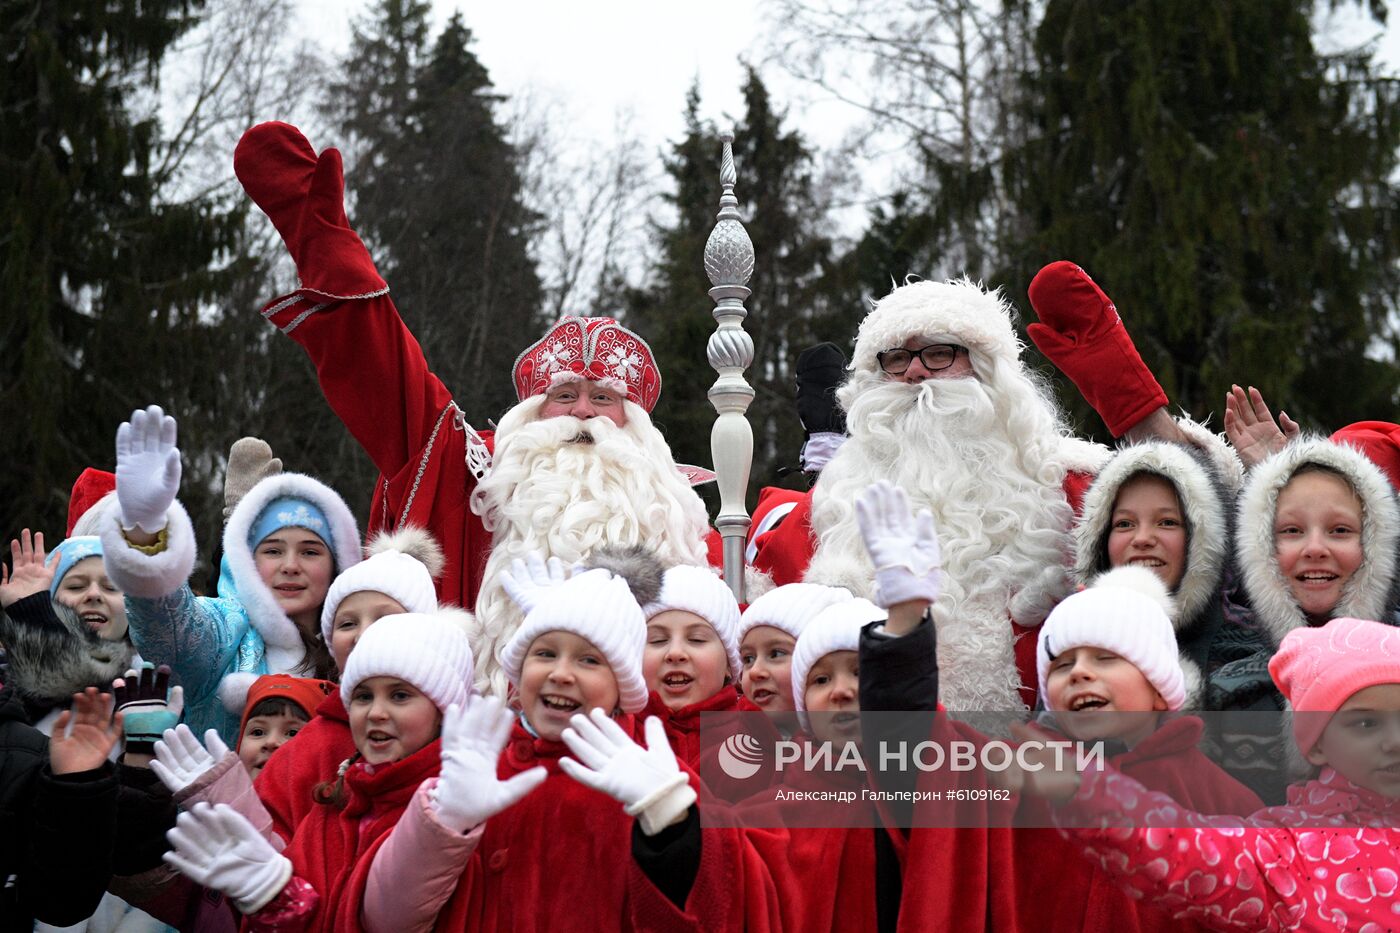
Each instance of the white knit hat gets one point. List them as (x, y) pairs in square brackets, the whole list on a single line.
[(597, 606), (1126, 611), (400, 565), (791, 607), (836, 628), (428, 650), (699, 590)]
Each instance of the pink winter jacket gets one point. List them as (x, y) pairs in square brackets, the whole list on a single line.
[(1328, 860), (416, 869)]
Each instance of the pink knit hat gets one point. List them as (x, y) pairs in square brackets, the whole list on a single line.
[(1318, 669)]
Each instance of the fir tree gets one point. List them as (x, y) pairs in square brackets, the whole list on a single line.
[(102, 282), (437, 196), (1230, 187)]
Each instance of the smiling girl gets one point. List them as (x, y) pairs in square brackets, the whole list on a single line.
[(283, 544)]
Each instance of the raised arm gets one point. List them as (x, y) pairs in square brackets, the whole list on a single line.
[(370, 367)]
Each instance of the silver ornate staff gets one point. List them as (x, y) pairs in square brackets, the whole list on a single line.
[(729, 264)]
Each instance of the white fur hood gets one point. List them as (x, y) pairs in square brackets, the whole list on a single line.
[(1369, 593), (279, 634), (1207, 502)]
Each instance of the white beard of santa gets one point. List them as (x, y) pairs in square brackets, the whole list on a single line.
[(983, 454), (552, 491)]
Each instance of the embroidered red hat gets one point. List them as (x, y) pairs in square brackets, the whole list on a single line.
[(90, 486), (594, 348), (1379, 441)]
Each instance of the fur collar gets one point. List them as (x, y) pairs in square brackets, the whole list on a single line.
[(1368, 594), (283, 644), (1206, 505), (53, 663)]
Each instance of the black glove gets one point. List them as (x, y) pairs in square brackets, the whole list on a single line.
[(820, 370)]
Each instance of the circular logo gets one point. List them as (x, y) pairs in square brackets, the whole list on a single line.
[(740, 756)]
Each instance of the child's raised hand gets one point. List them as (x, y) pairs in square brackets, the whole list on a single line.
[(220, 849), (468, 792), (180, 759), (85, 735), (148, 469), (1251, 428), (527, 578), (647, 781), (903, 549), (28, 573), (150, 704)]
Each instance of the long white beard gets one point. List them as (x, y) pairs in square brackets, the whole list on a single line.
[(547, 492), (986, 467)]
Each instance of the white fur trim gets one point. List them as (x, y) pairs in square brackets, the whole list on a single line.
[(1080, 456), (1194, 682), (279, 633), (233, 691), (568, 375), (1217, 450), (149, 576), (757, 583), (958, 311), (1203, 506), (90, 522), (1368, 594)]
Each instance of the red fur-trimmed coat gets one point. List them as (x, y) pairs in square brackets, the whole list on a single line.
[(560, 860)]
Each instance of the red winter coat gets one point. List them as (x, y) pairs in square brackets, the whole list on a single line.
[(286, 782), (683, 725), (825, 875), (1326, 861), (1029, 880), (333, 849), (785, 551), (375, 378), (560, 860)]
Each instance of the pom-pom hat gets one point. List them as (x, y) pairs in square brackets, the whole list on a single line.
[(1126, 611), (700, 591), (400, 565), (599, 607), (428, 651)]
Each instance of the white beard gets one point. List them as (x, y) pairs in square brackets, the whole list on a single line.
[(985, 464), (548, 493)]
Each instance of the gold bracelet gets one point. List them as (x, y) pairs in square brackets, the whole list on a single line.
[(151, 550)]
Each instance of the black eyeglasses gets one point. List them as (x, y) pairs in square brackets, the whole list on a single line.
[(934, 357)]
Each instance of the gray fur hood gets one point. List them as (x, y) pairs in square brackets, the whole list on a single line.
[(53, 662)]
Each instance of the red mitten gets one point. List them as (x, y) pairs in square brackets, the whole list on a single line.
[(1081, 333), (274, 163), (304, 196)]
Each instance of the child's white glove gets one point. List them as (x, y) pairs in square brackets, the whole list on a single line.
[(220, 849), (468, 791), (527, 578), (148, 469), (180, 759), (648, 781), (904, 552)]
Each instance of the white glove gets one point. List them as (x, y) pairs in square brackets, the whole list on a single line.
[(468, 791), (904, 552), (148, 469), (180, 759), (220, 849), (647, 780), (527, 578)]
